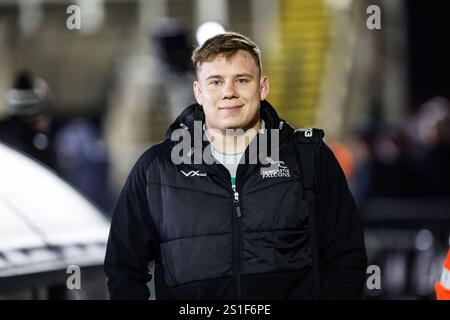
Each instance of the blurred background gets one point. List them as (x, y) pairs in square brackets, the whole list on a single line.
[(85, 89)]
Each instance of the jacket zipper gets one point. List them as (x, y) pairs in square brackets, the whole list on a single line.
[(237, 240)]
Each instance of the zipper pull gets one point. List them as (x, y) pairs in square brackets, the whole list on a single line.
[(236, 194), (236, 201)]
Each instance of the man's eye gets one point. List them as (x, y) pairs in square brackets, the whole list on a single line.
[(241, 81), (215, 82)]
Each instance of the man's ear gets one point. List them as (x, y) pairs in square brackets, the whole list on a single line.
[(264, 87), (197, 92)]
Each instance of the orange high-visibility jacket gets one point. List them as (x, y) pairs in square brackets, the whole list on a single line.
[(443, 285)]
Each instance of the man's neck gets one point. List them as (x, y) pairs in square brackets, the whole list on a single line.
[(232, 141)]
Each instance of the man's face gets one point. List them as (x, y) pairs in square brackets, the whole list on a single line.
[(231, 91)]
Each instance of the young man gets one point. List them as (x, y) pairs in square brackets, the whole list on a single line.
[(243, 226)]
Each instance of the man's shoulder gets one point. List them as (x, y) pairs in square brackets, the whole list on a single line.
[(159, 152), (312, 142), (309, 135), (310, 139)]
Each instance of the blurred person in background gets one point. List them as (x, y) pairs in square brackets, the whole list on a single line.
[(364, 157), (290, 240), (27, 126), (344, 156), (174, 48), (402, 171), (152, 87), (386, 165), (84, 162), (432, 136), (72, 150)]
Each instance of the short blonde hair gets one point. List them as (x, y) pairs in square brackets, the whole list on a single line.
[(226, 45)]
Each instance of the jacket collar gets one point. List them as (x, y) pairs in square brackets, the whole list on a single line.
[(195, 112), (201, 147)]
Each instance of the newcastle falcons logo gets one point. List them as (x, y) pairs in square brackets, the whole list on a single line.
[(279, 164), (276, 169)]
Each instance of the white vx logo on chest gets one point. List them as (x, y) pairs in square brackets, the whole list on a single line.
[(193, 173)]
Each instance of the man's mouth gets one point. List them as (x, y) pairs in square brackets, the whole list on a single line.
[(235, 107)]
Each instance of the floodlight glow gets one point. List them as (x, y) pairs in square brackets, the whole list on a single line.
[(208, 30)]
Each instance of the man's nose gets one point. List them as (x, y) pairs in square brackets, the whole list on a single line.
[(229, 91)]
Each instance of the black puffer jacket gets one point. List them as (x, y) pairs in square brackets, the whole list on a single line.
[(210, 242)]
